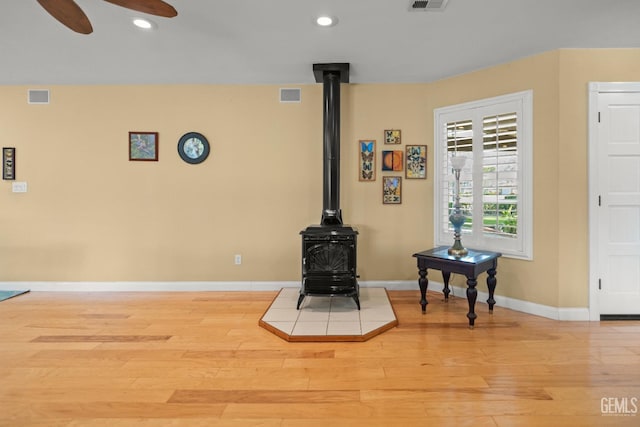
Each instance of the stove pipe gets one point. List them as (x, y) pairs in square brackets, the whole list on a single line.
[(331, 75)]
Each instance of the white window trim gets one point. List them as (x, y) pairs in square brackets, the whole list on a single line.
[(522, 247)]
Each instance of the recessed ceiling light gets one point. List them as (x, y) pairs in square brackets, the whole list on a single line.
[(145, 24), (326, 21)]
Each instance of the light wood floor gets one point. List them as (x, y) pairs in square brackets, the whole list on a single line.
[(200, 359)]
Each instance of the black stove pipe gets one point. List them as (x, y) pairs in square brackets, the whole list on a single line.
[(331, 213), (331, 75)]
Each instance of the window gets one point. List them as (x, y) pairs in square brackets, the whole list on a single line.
[(495, 136)]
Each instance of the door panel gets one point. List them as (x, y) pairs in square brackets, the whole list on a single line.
[(619, 214)]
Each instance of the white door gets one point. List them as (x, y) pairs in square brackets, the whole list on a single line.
[(618, 213)]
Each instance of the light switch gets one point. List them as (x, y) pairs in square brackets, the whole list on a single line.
[(19, 187)]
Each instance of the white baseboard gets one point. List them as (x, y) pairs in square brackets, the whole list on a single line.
[(146, 286), (555, 313)]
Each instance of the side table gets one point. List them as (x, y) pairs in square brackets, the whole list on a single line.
[(470, 265)]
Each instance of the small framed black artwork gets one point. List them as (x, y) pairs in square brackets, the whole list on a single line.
[(143, 146), (193, 147), (9, 163)]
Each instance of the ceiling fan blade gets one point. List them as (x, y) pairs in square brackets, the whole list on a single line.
[(69, 14), (152, 7)]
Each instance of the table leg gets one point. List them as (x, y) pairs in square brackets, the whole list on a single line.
[(491, 284), (472, 294), (423, 282), (445, 278)]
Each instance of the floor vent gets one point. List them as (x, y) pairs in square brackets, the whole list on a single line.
[(428, 5), (620, 317), (38, 96), (290, 95)]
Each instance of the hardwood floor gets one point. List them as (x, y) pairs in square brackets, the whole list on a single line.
[(200, 359)]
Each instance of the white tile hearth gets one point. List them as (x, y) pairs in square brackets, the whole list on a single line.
[(325, 318)]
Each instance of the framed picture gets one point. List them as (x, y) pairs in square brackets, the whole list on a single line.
[(9, 163), (416, 167), (392, 160), (391, 190), (392, 136), (193, 148), (367, 160), (143, 146)]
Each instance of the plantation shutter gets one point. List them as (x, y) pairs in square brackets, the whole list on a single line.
[(500, 174), (459, 142)]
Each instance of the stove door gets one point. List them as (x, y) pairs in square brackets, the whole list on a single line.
[(329, 257)]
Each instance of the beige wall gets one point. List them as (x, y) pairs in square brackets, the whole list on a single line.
[(516, 278), (92, 215), (578, 67)]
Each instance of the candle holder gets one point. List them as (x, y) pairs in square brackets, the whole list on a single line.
[(457, 218)]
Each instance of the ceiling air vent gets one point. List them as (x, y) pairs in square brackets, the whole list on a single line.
[(428, 5), (38, 96)]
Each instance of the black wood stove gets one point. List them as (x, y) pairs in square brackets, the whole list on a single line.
[(329, 250)]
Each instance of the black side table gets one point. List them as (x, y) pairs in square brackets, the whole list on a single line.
[(471, 265)]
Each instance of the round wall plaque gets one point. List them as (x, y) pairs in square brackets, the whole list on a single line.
[(193, 147)]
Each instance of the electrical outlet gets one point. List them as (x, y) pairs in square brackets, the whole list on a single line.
[(238, 259)]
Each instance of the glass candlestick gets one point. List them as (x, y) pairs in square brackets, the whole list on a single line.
[(457, 218)]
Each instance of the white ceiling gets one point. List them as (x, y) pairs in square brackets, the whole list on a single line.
[(276, 41)]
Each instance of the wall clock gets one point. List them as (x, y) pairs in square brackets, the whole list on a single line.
[(193, 147)]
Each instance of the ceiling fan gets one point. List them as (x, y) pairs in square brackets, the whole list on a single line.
[(70, 14)]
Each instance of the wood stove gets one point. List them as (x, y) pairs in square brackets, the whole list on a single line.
[(329, 250)]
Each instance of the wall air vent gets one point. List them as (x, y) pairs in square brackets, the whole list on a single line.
[(428, 5), (38, 96), (290, 95)]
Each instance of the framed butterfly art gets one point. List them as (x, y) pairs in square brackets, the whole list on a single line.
[(391, 190), (392, 136), (367, 160), (416, 162)]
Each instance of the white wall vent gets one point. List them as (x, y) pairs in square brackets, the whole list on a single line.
[(38, 96), (290, 95), (428, 5)]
